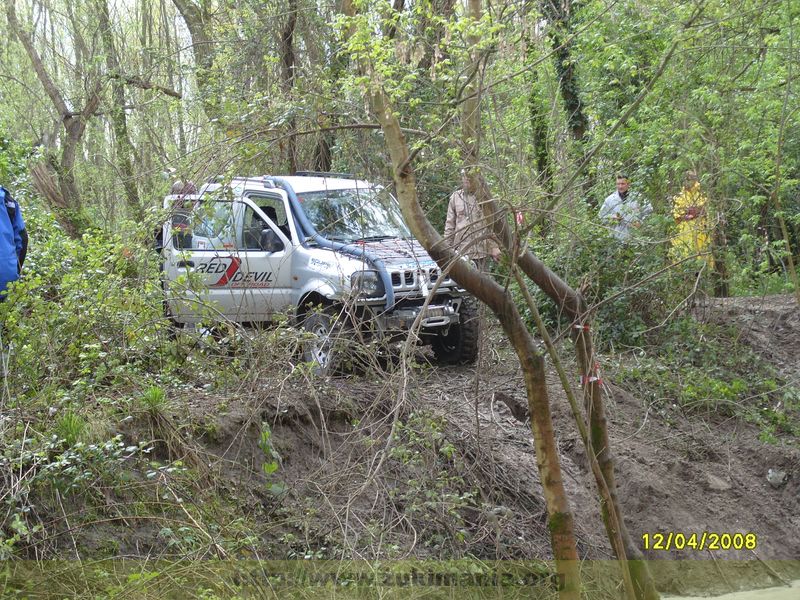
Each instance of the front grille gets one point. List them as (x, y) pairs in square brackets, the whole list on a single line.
[(411, 279)]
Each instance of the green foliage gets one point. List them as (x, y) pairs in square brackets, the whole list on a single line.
[(38, 467), (703, 369), (433, 492), (265, 443), (86, 321), (69, 428), (766, 271), (616, 278), (87, 313), (154, 399), (12, 158)]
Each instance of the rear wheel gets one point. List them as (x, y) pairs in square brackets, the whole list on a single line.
[(460, 345)]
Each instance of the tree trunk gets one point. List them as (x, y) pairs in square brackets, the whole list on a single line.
[(470, 108), (125, 150), (485, 288), (82, 54), (322, 160), (537, 110), (775, 197), (560, 519), (433, 31), (559, 15), (198, 22), (288, 67), (572, 303), (63, 198), (541, 150), (719, 248), (390, 30), (174, 71)]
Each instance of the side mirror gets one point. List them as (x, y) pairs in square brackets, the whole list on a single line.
[(269, 241)]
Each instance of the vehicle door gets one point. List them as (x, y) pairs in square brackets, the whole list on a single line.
[(266, 273), (202, 261)]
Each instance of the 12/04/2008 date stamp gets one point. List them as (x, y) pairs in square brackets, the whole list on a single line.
[(706, 540)]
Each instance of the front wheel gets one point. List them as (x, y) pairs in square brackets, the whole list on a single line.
[(319, 349), (460, 345)]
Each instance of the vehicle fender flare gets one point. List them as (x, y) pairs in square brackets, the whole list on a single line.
[(316, 291)]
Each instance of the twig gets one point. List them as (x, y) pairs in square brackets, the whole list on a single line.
[(219, 549), (66, 520), (720, 571), (771, 571)]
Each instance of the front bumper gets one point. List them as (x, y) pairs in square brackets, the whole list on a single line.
[(434, 316)]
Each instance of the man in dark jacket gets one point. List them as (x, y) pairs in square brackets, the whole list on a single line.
[(13, 241)]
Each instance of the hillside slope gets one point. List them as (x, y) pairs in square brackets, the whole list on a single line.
[(438, 463)]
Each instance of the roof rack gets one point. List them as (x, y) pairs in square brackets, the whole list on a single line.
[(324, 174)]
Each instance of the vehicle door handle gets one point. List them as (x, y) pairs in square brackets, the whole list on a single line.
[(182, 264)]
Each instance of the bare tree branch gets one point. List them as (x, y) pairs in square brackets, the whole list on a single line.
[(146, 85)]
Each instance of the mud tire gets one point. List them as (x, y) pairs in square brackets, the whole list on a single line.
[(460, 345)]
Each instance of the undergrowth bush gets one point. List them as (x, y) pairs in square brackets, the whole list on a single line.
[(86, 313), (642, 316), (702, 369), (42, 473), (434, 497), (626, 282)]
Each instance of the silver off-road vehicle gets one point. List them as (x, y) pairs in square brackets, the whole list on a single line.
[(330, 250)]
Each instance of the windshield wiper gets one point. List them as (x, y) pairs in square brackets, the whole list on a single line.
[(377, 238)]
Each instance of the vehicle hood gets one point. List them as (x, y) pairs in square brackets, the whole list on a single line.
[(398, 252)]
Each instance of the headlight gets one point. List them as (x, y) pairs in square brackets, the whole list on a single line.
[(367, 284)]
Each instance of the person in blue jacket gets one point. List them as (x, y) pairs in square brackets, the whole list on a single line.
[(13, 241)]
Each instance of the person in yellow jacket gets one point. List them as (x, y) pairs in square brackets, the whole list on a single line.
[(693, 235)]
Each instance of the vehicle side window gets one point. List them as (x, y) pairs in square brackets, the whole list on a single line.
[(213, 227), (251, 233), (275, 210), (254, 224), (181, 228)]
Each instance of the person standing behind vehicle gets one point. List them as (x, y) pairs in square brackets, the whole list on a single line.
[(691, 218), (466, 229), (13, 241), (623, 210)]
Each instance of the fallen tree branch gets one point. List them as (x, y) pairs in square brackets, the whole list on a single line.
[(146, 85)]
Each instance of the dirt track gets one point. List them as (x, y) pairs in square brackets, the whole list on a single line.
[(677, 472)]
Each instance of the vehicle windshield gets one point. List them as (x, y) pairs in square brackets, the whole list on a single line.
[(356, 214)]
